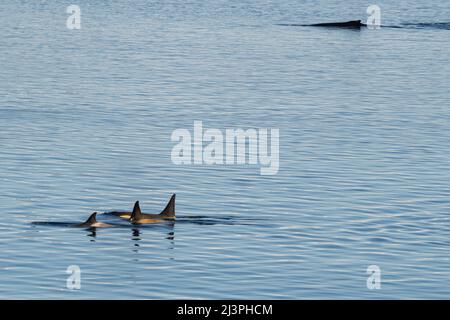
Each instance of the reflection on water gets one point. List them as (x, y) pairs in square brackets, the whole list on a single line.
[(136, 235), (171, 236), (166, 230), (92, 233)]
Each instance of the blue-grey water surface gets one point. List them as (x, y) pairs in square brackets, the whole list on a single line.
[(86, 118)]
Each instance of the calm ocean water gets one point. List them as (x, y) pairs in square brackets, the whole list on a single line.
[(86, 118)]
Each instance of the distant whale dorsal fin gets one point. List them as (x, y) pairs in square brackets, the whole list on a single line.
[(136, 214), (169, 210), (92, 219)]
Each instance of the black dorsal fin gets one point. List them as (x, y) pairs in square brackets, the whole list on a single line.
[(92, 219), (136, 214), (169, 210)]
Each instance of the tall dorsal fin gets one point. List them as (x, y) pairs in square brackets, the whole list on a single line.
[(169, 210), (92, 219), (136, 214)]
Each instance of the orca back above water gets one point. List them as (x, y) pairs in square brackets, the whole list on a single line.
[(167, 214), (91, 222), (137, 217), (354, 24)]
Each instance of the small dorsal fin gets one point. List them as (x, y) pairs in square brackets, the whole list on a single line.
[(169, 210), (92, 219), (136, 214)]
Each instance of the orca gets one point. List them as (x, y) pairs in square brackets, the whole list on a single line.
[(91, 222), (136, 215), (355, 24)]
